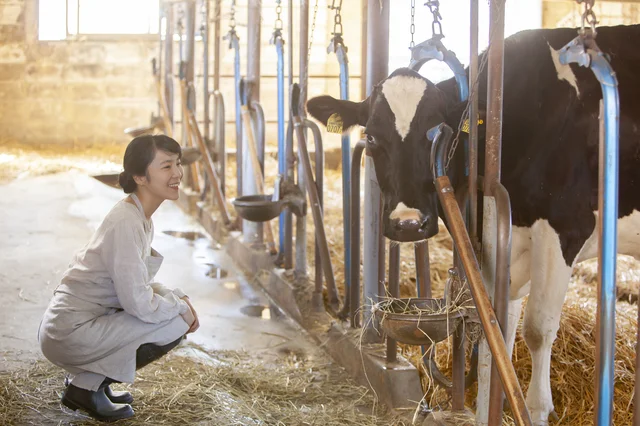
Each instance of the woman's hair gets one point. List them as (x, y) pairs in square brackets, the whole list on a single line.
[(140, 153)]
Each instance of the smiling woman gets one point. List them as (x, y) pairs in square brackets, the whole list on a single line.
[(108, 317)]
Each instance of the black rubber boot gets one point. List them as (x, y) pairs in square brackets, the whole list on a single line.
[(96, 404), (149, 352), (117, 397)]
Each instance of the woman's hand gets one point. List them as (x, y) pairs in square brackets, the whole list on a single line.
[(191, 317)]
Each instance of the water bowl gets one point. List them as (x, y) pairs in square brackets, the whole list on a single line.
[(257, 208)]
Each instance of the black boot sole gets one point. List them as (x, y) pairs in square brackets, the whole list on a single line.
[(75, 407)]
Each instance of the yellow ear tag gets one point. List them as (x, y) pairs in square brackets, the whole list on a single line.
[(334, 124), (465, 125)]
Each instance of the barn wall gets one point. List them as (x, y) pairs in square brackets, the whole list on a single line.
[(86, 92)]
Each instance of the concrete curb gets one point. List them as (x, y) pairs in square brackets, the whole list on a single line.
[(396, 385)]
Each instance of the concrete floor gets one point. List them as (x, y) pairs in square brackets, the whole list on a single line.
[(47, 218)]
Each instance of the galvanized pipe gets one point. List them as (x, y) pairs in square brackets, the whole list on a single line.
[(217, 12), (473, 125), (253, 231), (377, 69), (458, 367), (168, 61), (314, 199), (394, 292), (501, 290), (353, 301), (290, 177), (219, 137), (319, 179), (205, 71), (423, 273), (304, 53)]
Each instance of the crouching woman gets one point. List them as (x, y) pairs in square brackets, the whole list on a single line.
[(108, 317)]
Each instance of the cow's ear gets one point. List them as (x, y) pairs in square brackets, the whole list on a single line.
[(455, 114), (338, 115)]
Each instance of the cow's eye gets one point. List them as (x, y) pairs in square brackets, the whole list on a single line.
[(371, 140)]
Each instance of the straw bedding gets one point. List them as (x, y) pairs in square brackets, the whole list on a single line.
[(573, 359), (216, 388)]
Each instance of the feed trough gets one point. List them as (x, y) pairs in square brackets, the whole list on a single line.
[(418, 321)]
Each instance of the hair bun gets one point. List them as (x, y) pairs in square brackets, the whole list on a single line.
[(127, 183)]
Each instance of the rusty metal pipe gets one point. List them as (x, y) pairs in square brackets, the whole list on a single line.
[(495, 77), (211, 171), (394, 292), (501, 291), (314, 198), (487, 316), (353, 301)]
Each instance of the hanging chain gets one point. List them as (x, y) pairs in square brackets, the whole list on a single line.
[(412, 28), (588, 16), (337, 19), (278, 26), (313, 28), (232, 18), (435, 11)]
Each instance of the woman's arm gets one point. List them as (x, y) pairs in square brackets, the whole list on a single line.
[(122, 255)]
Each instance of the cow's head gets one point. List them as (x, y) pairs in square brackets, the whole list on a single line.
[(396, 116)]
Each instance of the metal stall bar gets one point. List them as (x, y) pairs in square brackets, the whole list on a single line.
[(234, 43), (301, 222), (394, 292), (314, 198), (373, 255), (220, 144), (473, 125), (204, 31), (440, 149), (354, 223), (337, 46), (278, 42), (319, 179), (289, 157), (584, 51), (252, 231), (168, 62)]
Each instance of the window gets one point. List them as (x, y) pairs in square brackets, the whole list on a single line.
[(63, 19)]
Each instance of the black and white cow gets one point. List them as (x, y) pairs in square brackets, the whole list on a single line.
[(549, 167)]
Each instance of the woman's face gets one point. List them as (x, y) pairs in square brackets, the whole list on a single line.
[(164, 175)]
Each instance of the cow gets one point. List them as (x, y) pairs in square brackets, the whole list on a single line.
[(549, 167)]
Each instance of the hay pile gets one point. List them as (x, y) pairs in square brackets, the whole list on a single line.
[(221, 388)]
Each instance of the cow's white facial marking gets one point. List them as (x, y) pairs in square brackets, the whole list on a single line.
[(564, 71), (403, 93), (402, 212)]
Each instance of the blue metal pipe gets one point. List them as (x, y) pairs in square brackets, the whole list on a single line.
[(234, 43), (608, 239), (343, 60), (282, 148), (607, 219)]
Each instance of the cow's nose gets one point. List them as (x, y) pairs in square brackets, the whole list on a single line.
[(412, 225)]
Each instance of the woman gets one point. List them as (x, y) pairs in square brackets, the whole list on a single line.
[(108, 317)]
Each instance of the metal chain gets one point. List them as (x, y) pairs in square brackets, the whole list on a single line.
[(278, 26), (232, 18), (435, 11), (337, 19), (588, 16), (313, 28), (412, 28)]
